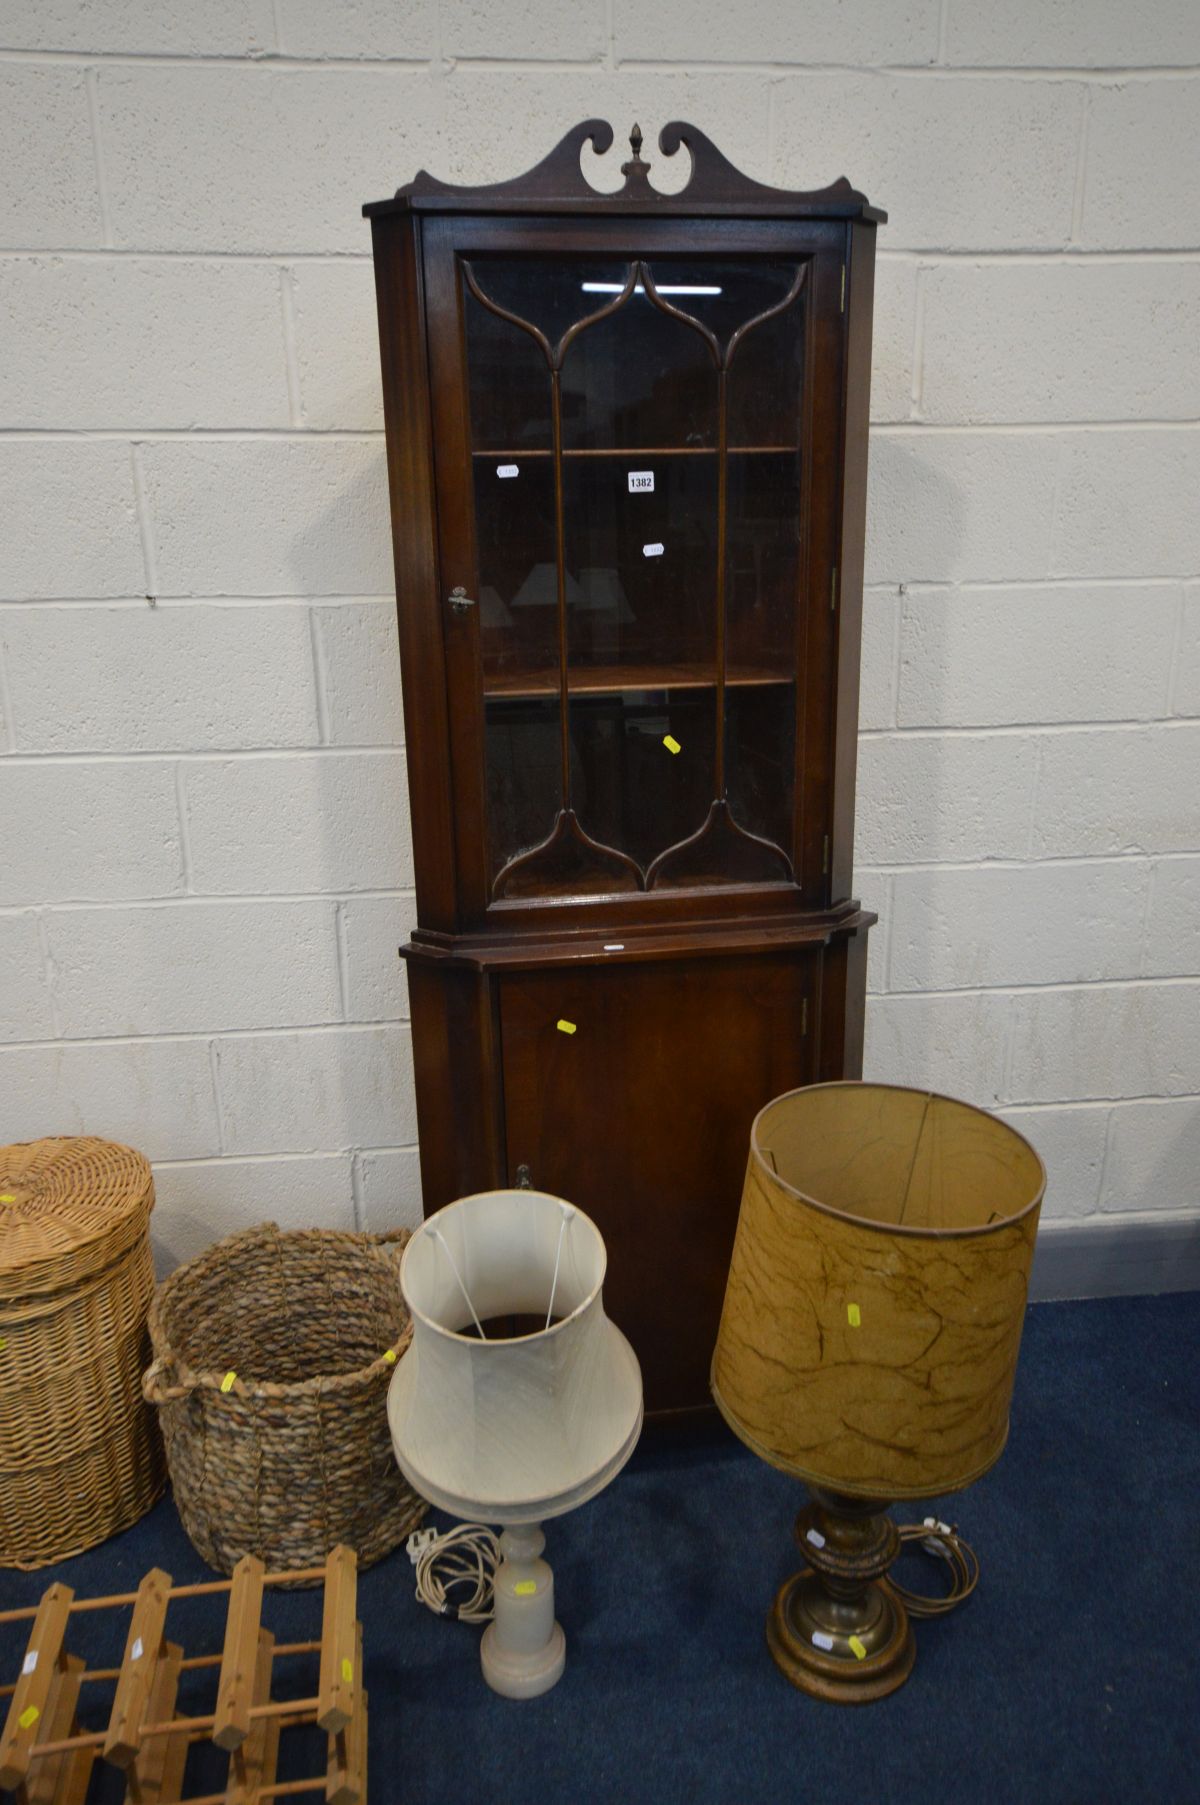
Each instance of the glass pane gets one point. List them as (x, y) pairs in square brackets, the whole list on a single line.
[(723, 294), (762, 571), (632, 789), (518, 584), (551, 293), (641, 562), (639, 379), (766, 381), (523, 774), (510, 383), (760, 759)]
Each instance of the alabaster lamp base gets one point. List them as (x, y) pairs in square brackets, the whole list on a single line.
[(524, 1649), (501, 1423), (836, 1629)]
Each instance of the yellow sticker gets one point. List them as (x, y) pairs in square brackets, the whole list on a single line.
[(565, 1027), (29, 1716), (347, 1669), (860, 1653), (7, 1197), (227, 1381), (671, 743), (390, 1356), (525, 1588), (854, 1316)]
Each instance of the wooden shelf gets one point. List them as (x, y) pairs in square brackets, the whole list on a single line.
[(613, 679), (630, 452)]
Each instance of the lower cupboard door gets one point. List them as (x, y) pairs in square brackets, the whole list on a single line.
[(630, 1091)]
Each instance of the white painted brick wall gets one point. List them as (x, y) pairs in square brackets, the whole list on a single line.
[(1173, 920), (309, 821), (185, 344), (1185, 695), (180, 678), (338, 1087), (972, 657), (205, 867), (157, 1094), (1002, 342), (70, 518), (298, 515), (89, 830), (956, 928), (203, 965)]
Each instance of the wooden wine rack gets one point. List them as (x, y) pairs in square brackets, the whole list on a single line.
[(46, 1758)]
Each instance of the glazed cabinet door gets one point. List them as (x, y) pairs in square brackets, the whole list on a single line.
[(637, 432), (631, 1092)]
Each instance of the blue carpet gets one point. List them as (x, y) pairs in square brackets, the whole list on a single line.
[(1071, 1675)]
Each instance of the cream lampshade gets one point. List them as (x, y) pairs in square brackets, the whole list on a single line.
[(517, 1399), (868, 1341)]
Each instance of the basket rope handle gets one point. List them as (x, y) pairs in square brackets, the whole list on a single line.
[(402, 1235), (156, 1388)]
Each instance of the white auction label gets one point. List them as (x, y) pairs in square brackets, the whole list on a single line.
[(507, 469), (137, 1651), (641, 482), (816, 1538), (653, 551), (821, 1640), (30, 1665)]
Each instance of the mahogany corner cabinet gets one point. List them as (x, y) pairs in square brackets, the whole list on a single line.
[(627, 452)]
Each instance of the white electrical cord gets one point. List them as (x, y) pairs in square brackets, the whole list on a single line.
[(465, 1556)]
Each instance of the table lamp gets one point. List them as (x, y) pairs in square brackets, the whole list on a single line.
[(517, 1399), (868, 1342)]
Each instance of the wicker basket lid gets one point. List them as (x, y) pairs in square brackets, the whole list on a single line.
[(68, 1206)]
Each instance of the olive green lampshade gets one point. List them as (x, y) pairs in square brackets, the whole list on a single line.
[(875, 1300)]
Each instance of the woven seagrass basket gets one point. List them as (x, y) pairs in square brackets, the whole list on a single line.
[(80, 1454), (273, 1356)]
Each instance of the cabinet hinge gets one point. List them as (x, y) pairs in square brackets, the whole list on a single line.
[(825, 855), (833, 589), (842, 302)]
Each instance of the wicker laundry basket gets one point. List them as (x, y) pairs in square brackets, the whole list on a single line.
[(273, 1356), (80, 1454)]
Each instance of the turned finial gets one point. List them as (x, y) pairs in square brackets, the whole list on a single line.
[(636, 172)]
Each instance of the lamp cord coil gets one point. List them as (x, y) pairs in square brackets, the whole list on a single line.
[(469, 1554), (943, 1542), (465, 1556)]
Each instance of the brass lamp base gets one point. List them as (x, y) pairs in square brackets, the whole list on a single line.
[(837, 1630)]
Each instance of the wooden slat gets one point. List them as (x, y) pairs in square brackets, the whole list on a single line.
[(252, 1763), (75, 1777), (346, 1773), (340, 1677), (23, 1727), (235, 1688), (189, 1664), (157, 1773), (123, 1738), (612, 679), (58, 1721)]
